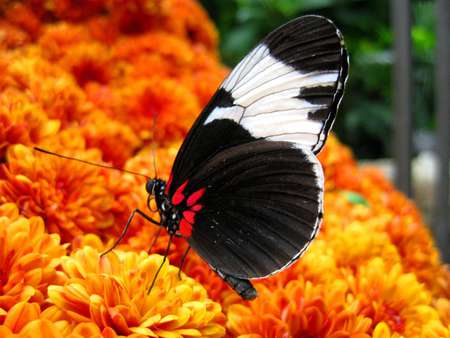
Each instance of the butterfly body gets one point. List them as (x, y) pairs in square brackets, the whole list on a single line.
[(246, 188)]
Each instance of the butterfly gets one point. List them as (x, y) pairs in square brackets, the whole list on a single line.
[(246, 188)]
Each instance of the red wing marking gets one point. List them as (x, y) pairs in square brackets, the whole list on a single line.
[(189, 216), (195, 196), (169, 182), (185, 228), (197, 207), (178, 197)]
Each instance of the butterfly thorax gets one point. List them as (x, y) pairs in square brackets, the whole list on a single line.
[(169, 214)]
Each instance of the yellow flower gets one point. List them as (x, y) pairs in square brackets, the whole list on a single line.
[(26, 320), (29, 258), (388, 295), (111, 292)]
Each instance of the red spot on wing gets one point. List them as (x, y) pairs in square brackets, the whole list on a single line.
[(189, 216), (178, 197), (197, 207), (169, 182), (195, 196), (185, 228)]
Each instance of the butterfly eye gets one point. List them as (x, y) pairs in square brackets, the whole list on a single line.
[(150, 187)]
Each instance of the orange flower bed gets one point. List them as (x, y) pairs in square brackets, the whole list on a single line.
[(112, 80)]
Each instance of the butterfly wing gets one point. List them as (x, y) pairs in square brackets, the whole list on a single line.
[(246, 178)]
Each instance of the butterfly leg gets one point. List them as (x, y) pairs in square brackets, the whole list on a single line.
[(182, 262), (125, 229), (161, 265), (243, 287)]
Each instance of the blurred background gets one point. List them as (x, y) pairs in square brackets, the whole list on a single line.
[(367, 120)]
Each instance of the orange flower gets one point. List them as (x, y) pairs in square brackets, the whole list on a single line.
[(48, 85), (12, 36), (57, 38), (72, 11), (88, 62), (339, 165), (190, 21), (137, 16), (301, 309), (170, 48), (99, 82), (173, 105), (22, 16), (28, 260), (111, 292), (218, 290), (116, 140), (72, 197), (22, 121)]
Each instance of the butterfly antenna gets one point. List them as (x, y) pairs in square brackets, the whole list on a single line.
[(88, 162), (154, 146), (160, 267)]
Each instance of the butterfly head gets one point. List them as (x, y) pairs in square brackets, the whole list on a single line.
[(170, 216), (155, 187)]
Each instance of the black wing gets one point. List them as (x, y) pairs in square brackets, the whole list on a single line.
[(246, 177), (262, 207)]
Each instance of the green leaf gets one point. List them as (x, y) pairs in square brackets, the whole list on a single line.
[(356, 198)]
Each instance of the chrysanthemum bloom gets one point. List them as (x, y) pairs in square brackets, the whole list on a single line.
[(29, 258), (174, 50), (170, 56), (55, 39), (23, 319), (301, 309), (72, 197), (27, 320), (405, 228), (337, 162), (218, 290), (345, 221), (88, 62), (22, 16), (318, 265), (388, 295), (48, 85), (22, 121), (72, 11), (398, 217), (87, 84), (12, 36), (111, 292), (116, 140), (190, 21), (163, 100), (137, 16)]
